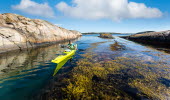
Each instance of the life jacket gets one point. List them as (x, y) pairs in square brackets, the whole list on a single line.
[(71, 46)]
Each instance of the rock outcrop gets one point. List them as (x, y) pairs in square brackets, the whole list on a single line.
[(145, 32), (18, 32), (154, 38), (106, 35)]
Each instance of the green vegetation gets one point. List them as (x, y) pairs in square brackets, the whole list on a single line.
[(89, 80), (121, 78)]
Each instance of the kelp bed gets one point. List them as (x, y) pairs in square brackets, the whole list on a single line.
[(120, 78)]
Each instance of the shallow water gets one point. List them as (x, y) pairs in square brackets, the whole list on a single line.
[(22, 73), (28, 73)]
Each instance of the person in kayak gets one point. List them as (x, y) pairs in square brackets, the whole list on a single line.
[(71, 46)]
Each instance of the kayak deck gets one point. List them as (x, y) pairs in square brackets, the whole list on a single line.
[(64, 57)]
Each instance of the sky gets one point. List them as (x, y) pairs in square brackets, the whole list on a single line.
[(124, 16)]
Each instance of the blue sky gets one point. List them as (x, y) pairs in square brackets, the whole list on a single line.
[(96, 15)]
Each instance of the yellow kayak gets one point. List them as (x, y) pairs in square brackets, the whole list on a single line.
[(64, 57), (59, 66)]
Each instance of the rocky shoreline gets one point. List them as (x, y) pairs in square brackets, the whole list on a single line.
[(18, 32), (152, 38)]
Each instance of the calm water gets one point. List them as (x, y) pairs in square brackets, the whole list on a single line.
[(24, 74)]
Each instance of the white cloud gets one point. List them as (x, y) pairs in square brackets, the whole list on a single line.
[(112, 9), (34, 8)]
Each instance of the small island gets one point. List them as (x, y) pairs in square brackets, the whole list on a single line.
[(106, 35), (100, 33)]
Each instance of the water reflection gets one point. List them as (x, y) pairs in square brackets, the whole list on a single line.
[(22, 73)]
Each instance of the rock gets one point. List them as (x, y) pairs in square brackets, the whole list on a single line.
[(154, 38), (106, 35), (144, 32), (117, 46), (18, 32)]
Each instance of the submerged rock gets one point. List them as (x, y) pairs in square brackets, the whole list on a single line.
[(154, 38), (18, 32), (117, 46)]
